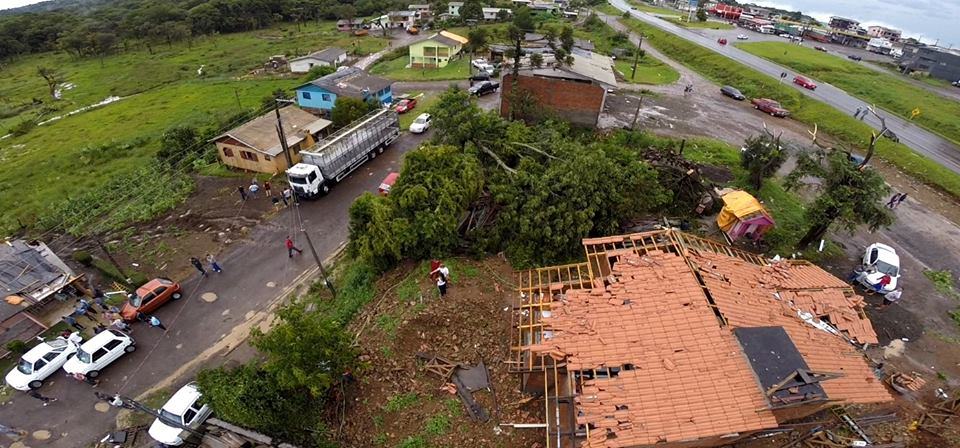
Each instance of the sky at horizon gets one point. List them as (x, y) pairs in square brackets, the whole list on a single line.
[(931, 20)]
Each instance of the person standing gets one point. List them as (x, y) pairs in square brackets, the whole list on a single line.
[(243, 192), (69, 320), (442, 284), (254, 188), (291, 247), (891, 297), (154, 321), (903, 197), (287, 195), (893, 201), (197, 264), (857, 113), (267, 188), (46, 400), (213, 264)]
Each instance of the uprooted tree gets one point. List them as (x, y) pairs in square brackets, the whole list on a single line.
[(763, 155), (851, 192), (53, 77)]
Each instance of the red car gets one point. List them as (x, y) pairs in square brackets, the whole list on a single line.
[(149, 297), (387, 183), (406, 105), (769, 106), (804, 82), (722, 41)]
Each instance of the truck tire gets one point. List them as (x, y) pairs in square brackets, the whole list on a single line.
[(373, 154), (380, 149), (324, 189)]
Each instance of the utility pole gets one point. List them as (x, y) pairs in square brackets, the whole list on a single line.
[(637, 114), (128, 403), (296, 198), (636, 59), (113, 261)]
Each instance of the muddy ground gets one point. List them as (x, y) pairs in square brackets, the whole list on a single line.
[(396, 401)]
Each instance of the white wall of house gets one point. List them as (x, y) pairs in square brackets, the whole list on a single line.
[(304, 65)]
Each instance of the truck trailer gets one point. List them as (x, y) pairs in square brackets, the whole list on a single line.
[(336, 156)]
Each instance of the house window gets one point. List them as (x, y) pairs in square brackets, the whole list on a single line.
[(325, 96), (247, 155), (443, 52), (306, 95), (227, 152), (267, 158), (429, 51)]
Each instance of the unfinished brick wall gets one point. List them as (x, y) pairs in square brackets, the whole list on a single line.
[(577, 102)]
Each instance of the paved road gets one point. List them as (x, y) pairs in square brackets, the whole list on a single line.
[(917, 138), (256, 271)]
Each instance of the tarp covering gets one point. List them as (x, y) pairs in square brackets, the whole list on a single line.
[(737, 206)]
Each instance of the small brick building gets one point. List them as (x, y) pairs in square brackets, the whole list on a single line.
[(578, 101)]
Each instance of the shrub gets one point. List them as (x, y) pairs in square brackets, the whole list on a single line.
[(83, 257), (17, 346), (23, 127)]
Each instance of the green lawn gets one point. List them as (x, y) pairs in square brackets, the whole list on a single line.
[(397, 70), (646, 7), (709, 24), (424, 101), (840, 125), (649, 71), (160, 90), (897, 96)]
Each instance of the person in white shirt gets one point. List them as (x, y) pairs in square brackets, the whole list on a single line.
[(891, 297), (442, 284)]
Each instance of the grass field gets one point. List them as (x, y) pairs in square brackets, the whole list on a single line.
[(840, 125), (424, 101), (710, 25), (646, 7), (897, 96), (649, 71), (160, 90), (396, 69)]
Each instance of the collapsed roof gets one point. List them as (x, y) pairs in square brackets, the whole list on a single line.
[(663, 337)]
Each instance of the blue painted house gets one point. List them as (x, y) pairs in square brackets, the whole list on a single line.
[(321, 94)]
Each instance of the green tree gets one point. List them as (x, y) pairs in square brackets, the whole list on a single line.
[(763, 156), (523, 19), (566, 39), (179, 143), (318, 71), (304, 350), (457, 120), (701, 14), (252, 397), (536, 60), (471, 10), (477, 40), (850, 195), (53, 77), (346, 110)]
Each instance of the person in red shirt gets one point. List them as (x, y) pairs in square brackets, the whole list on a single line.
[(884, 281), (291, 248)]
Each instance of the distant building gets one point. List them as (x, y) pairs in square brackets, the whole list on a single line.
[(321, 94), (940, 63), (880, 45), (884, 32), (493, 13), (346, 25), (453, 8), (437, 50), (844, 24), (31, 278), (726, 11), (255, 145), (419, 8), (575, 93), (402, 19), (332, 57)]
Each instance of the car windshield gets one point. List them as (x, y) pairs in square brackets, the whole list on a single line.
[(168, 416), (888, 269), (298, 179), (135, 300), (420, 120), (83, 356), (25, 367)]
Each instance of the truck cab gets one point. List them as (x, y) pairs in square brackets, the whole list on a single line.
[(307, 180)]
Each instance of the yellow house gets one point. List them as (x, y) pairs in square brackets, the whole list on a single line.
[(436, 50), (255, 145)]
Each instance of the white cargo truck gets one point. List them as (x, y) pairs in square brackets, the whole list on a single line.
[(336, 156)]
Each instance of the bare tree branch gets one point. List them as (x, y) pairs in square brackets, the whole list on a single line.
[(497, 159), (532, 148), (874, 137)]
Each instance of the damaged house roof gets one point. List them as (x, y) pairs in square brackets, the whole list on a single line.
[(671, 338)]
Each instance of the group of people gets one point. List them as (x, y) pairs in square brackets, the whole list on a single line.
[(861, 113), (896, 200), (252, 191), (211, 263)]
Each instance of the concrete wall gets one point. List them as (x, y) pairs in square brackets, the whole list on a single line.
[(577, 102)]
